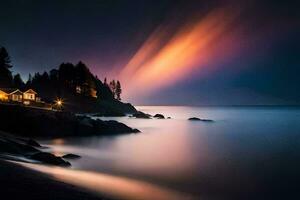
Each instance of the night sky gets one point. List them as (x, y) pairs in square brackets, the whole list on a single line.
[(165, 52)]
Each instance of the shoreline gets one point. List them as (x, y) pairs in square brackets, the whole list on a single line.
[(18, 182)]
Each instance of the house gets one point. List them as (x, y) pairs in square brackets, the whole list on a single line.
[(3, 95), (29, 96), (86, 90), (93, 93), (15, 95), (11, 94)]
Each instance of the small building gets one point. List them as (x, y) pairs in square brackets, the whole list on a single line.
[(29, 96), (11, 94), (93, 93), (16, 95), (3, 95)]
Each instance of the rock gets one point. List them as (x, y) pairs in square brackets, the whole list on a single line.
[(198, 119), (159, 116), (86, 122), (109, 113), (112, 127), (194, 119), (49, 158), (141, 115), (33, 143), (45, 123), (207, 120), (71, 156), (168, 117)]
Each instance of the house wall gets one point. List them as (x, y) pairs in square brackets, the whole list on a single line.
[(16, 97), (29, 96)]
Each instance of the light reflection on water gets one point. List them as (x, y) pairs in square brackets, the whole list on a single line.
[(242, 152)]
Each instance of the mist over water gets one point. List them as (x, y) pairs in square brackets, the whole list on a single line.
[(245, 152)]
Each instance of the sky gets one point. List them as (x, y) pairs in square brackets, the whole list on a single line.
[(167, 52)]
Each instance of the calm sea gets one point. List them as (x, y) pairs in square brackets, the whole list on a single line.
[(247, 152)]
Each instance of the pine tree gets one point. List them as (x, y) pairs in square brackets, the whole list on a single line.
[(118, 90), (112, 86), (18, 82), (5, 58), (29, 81), (5, 64)]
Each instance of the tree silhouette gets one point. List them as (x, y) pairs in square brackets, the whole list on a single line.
[(66, 73), (18, 82), (29, 81), (85, 79), (103, 91), (118, 90), (5, 64), (53, 75), (112, 86)]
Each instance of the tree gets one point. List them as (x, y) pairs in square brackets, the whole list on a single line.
[(18, 82), (105, 81), (45, 77), (112, 86), (103, 91), (53, 75), (85, 79), (118, 90), (66, 73), (29, 81), (5, 58), (5, 64)]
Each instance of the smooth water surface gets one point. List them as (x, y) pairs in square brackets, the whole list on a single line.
[(245, 152)]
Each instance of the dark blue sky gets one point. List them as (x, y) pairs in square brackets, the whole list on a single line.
[(40, 35)]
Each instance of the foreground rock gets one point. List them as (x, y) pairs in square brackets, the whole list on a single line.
[(71, 156), (159, 116), (29, 122), (198, 119), (16, 148), (49, 158)]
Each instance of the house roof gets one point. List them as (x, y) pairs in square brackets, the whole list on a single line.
[(8, 90), (16, 91), (30, 91)]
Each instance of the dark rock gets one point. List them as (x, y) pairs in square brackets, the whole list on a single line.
[(111, 126), (159, 116), (109, 113), (33, 143), (71, 156), (198, 119), (141, 115), (16, 148), (207, 120), (45, 123), (168, 117), (49, 158), (194, 119)]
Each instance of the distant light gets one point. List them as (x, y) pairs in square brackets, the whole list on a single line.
[(59, 102)]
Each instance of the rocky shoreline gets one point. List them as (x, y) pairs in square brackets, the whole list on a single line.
[(30, 122), (27, 150)]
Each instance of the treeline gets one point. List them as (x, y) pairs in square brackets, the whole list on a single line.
[(115, 87), (68, 78), (6, 77)]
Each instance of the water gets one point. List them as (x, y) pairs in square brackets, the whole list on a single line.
[(247, 152)]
